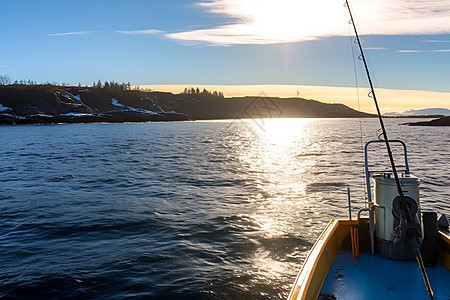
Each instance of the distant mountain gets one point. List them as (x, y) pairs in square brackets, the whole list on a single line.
[(422, 112), (30, 104)]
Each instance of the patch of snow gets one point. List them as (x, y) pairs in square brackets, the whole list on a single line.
[(174, 113), (116, 103), (85, 91), (78, 97), (75, 104), (135, 109), (39, 115), (75, 114), (4, 108), (147, 111)]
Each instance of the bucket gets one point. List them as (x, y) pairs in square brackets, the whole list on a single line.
[(385, 190)]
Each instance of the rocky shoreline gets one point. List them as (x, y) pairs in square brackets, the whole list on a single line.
[(443, 121), (107, 117)]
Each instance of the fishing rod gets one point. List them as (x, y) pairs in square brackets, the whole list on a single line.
[(403, 202)]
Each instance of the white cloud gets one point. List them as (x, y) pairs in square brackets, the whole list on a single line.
[(410, 51), (70, 33), (422, 51), (141, 32), (279, 21), (268, 22), (436, 41)]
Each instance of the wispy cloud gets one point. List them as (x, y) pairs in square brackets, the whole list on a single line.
[(281, 21), (410, 51), (3, 66), (436, 41), (427, 50), (141, 32), (422, 51), (71, 33)]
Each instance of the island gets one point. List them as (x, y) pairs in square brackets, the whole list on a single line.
[(113, 102), (442, 121)]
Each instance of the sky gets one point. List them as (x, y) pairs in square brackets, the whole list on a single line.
[(274, 48)]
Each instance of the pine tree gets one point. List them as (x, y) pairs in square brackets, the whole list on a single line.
[(5, 80)]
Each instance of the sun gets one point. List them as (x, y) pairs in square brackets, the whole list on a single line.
[(290, 20)]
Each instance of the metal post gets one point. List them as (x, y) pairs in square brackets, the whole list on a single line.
[(349, 204)]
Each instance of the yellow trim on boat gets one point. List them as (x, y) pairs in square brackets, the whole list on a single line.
[(312, 276), (315, 270), (444, 249)]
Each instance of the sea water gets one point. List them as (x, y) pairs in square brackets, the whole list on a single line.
[(186, 210)]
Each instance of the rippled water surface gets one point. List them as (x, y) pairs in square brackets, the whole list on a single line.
[(211, 210)]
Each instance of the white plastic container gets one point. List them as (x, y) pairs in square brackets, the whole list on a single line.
[(385, 190)]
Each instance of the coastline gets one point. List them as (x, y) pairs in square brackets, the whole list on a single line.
[(443, 121), (48, 104)]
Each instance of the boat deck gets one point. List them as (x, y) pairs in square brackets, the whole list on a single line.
[(350, 278)]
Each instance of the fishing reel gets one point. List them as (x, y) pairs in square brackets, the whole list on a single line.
[(408, 230)]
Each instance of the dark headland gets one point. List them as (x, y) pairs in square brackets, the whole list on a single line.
[(115, 103), (442, 121)]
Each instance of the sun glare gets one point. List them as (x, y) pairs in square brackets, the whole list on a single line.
[(279, 132), (285, 21), (269, 21), (291, 20), (274, 150)]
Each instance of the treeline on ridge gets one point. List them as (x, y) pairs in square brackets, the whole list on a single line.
[(193, 91)]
